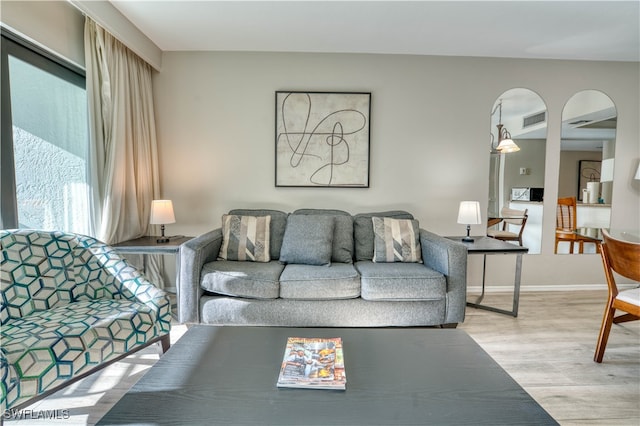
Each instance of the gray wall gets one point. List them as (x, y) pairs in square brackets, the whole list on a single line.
[(429, 131), (56, 25), (59, 26)]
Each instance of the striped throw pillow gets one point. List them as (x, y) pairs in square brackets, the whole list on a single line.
[(245, 238), (396, 240)]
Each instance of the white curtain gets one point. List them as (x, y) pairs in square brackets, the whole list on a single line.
[(123, 149)]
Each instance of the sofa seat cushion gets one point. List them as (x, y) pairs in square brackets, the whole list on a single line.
[(311, 282), (242, 279), (400, 281), (45, 349), (501, 234)]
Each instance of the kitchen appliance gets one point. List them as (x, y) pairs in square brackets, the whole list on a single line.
[(527, 194)]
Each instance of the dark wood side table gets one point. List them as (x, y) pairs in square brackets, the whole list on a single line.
[(488, 245), (150, 245)]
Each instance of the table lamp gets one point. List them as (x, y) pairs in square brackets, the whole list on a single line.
[(469, 214), (161, 214)]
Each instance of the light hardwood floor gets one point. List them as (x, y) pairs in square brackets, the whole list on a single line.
[(548, 350)]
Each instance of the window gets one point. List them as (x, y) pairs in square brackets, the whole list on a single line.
[(44, 146)]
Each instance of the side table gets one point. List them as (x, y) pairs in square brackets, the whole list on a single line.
[(150, 245), (488, 245)]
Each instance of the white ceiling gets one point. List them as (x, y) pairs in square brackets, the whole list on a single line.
[(582, 30), (577, 30)]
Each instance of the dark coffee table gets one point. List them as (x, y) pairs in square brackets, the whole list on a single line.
[(227, 375)]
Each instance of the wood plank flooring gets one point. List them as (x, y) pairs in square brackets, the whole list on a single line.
[(548, 350)]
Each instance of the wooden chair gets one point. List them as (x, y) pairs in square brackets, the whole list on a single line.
[(623, 258), (566, 226), (510, 217)]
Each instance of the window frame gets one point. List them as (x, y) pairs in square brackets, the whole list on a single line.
[(27, 51)]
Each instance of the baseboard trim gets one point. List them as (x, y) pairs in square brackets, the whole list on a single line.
[(555, 287)]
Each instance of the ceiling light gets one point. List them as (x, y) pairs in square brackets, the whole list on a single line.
[(505, 143)]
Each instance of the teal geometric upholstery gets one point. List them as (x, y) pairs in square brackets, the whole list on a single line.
[(68, 304)]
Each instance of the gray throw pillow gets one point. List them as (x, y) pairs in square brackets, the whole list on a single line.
[(396, 240), (245, 238), (307, 240), (342, 234)]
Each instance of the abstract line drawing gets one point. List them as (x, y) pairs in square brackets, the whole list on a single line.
[(322, 139)]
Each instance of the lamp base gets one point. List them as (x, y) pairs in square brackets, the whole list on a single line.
[(162, 238), (468, 239)]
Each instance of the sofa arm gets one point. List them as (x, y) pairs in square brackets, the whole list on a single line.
[(107, 275), (448, 258), (193, 255), (134, 286)]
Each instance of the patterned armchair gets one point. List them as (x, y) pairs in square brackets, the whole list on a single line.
[(69, 305)]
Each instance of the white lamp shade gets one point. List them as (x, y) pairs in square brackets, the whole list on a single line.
[(507, 145), (162, 212), (469, 213), (637, 176), (606, 170)]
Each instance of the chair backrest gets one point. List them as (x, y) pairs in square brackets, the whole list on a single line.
[(513, 216), (623, 257), (38, 271), (566, 214), (44, 269), (519, 218)]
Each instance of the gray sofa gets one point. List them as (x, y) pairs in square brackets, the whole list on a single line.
[(350, 290)]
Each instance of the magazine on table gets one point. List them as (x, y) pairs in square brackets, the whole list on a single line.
[(313, 363)]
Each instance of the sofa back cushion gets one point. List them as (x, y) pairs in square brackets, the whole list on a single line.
[(276, 227), (342, 250), (363, 231)]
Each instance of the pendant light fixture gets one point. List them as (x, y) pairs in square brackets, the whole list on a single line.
[(505, 143)]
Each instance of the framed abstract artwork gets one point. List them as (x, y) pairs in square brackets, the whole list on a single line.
[(322, 139)]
